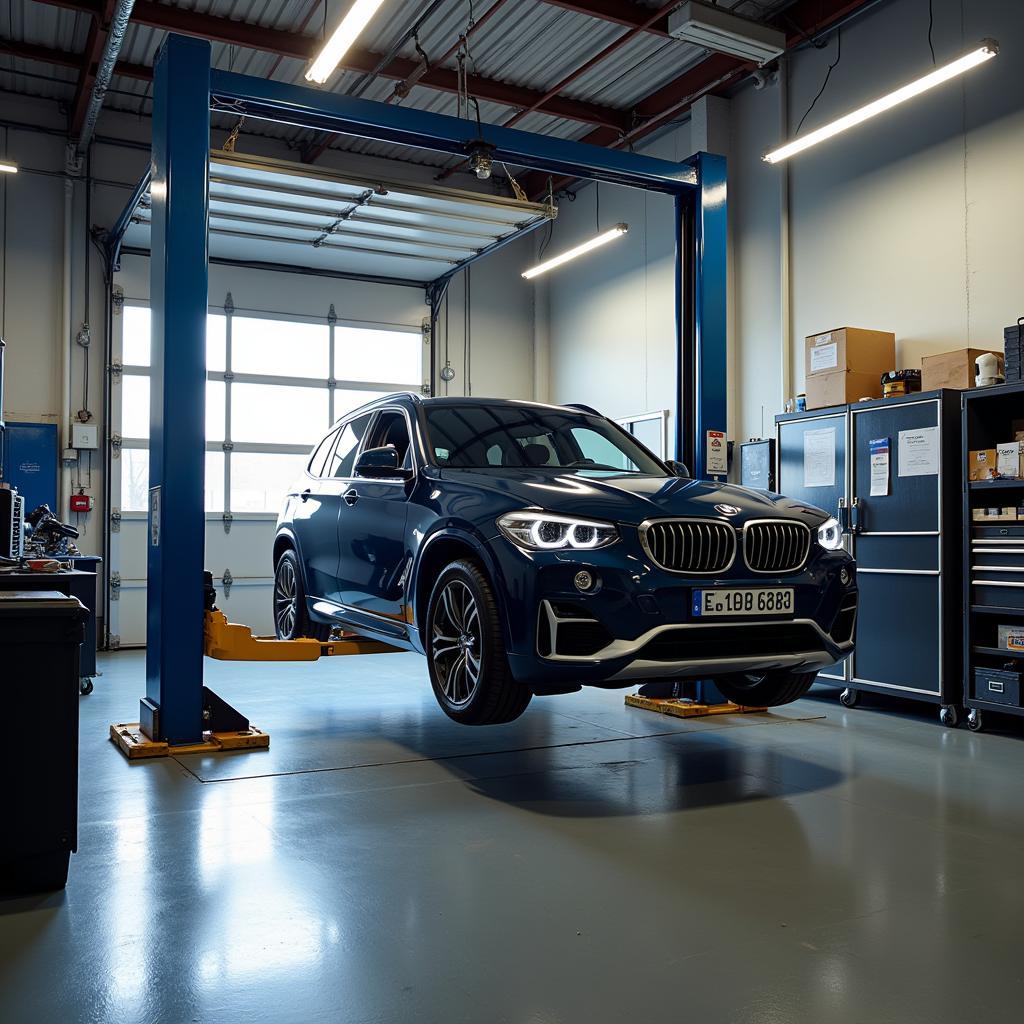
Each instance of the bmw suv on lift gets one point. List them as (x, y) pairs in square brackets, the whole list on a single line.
[(531, 549)]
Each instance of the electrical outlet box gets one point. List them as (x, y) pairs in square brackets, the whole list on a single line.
[(84, 435)]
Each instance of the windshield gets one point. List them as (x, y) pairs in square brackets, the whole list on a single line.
[(532, 437)]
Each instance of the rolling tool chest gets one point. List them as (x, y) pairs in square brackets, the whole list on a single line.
[(994, 555), (889, 470)]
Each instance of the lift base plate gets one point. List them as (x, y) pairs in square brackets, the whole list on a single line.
[(136, 745), (686, 708)]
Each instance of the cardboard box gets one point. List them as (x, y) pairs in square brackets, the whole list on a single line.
[(951, 369), (1007, 514), (1008, 460), (840, 387), (850, 348), (981, 465)]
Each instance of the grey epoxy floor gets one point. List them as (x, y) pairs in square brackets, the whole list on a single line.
[(588, 863)]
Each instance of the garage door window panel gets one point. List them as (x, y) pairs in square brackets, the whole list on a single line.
[(278, 414), (363, 354), (280, 348), (260, 480)]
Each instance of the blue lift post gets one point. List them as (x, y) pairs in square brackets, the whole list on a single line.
[(177, 706), (173, 706)]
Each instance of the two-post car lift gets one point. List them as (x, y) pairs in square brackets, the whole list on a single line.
[(178, 712)]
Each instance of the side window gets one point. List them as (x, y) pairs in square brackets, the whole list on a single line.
[(600, 450), (392, 429), (344, 457), (323, 449)]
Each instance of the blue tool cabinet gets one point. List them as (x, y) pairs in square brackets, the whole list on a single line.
[(903, 524)]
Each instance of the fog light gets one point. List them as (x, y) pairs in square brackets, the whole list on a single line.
[(844, 576), (583, 580)]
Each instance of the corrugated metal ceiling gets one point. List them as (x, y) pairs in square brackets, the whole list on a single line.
[(526, 43)]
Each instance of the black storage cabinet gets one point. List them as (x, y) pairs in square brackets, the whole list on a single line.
[(993, 553), (40, 636), (907, 542)]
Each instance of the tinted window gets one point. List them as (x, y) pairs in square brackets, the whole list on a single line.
[(391, 429), (344, 456), (523, 436), (323, 449)]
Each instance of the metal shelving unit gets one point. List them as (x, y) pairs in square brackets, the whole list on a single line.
[(993, 552)]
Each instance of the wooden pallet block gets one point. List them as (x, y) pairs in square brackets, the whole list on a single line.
[(137, 746), (686, 708)]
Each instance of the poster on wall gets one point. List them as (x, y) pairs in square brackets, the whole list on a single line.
[(820, 457)]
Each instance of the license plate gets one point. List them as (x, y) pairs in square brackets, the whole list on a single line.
[(743, 601)]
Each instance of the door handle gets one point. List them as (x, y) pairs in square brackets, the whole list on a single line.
[(305, 494), (351, 496)]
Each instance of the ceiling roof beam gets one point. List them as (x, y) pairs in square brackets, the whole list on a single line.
[(620, 12), (67, 59), (303, 48)]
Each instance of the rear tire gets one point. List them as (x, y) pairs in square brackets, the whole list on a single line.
[(466, 656), (765, 689), (291, 618)]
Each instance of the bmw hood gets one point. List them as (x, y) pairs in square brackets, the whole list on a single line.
[(631, 498)]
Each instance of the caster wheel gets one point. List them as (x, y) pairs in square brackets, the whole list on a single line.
[(974, 720), (849, 698), (948, 716), (85, 686)]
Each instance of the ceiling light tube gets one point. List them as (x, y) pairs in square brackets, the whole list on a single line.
[(988, 49), (6, 167), (358, 17), (570, 254)]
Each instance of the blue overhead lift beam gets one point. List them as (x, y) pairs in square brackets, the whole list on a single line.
[(185, 89)]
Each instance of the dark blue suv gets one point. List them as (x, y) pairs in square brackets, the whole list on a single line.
[(533, 549)]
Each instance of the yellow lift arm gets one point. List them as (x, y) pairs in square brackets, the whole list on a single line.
[(230, 641)]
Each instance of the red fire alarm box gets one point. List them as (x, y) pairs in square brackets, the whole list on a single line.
[(81, 502)]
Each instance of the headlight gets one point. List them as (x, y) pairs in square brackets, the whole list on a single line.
[(830, 535), (544, 531)]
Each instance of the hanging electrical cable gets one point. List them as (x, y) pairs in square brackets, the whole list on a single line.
[(824, 84)]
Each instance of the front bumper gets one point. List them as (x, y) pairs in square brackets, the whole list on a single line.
[(637, 622)]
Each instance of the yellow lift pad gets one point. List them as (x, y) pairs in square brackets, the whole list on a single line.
[(685, 708), (230, 641), (136, 745)]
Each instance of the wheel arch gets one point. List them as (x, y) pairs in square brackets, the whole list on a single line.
[(441, 549), (285, 540)]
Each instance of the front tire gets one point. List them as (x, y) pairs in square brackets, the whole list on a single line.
[(291, 619), (765, 689), (466, 656)]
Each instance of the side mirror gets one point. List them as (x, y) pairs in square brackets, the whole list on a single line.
[(378, 463), (678, 468)]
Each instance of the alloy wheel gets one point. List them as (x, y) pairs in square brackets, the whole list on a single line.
[(286, 599), (456, 647)]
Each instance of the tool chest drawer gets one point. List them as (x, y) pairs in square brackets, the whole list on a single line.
[(1000, 686), (988, 591)]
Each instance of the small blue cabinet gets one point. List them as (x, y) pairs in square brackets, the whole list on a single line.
[(30, 462)]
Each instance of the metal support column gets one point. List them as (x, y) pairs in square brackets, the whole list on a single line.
[(173, 707), (708, 304)]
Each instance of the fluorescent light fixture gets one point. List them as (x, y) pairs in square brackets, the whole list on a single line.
[(358, 17), (6, 167), (988, 49), (723, 32), (570, 254)]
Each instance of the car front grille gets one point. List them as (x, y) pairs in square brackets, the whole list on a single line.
[(690, 545), (776, 545)]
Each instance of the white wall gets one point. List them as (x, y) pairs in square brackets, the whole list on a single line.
[(911, 223), (608, 319)]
